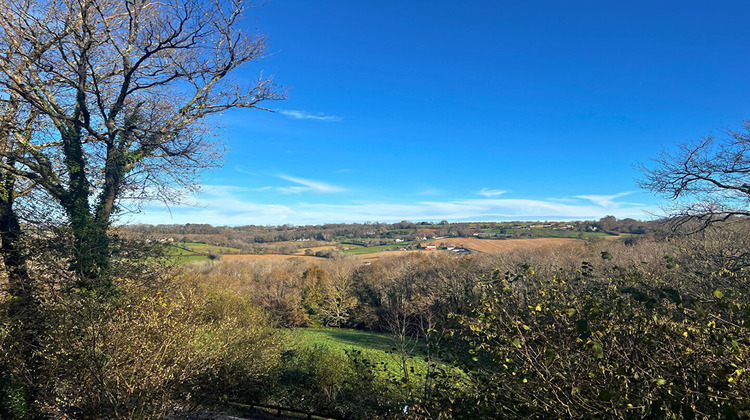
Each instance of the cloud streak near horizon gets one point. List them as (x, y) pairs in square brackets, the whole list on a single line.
[(489, 193), (306, 185), (227, 206)]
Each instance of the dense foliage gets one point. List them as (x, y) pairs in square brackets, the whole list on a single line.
[(624, 329), (138, 355), (633, 341), (646, 327)]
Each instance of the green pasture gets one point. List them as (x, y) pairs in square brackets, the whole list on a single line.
[(374, 249), (191, 258), (201, 248), (184, 256), (377, 347)]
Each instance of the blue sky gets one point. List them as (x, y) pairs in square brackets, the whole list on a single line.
[(478, 110)]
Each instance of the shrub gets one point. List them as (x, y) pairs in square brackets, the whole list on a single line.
[(628, 336), (323, 380), (139, 355)]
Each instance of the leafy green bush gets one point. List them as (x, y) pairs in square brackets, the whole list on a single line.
[(608, 339), (12, 399), (323, 380)]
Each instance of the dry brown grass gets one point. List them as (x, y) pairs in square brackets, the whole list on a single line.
[(388, 254)]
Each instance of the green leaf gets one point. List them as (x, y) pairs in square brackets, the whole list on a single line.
[(718, 294), (640, 296), (517, 342), (598, 350), (673, 294), (549, 356)]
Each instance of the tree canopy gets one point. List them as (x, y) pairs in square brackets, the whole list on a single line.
[(107, 100), (709, 180)]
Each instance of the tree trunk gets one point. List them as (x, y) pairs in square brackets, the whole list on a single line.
[(28, 323), (90, 258), (11, 249)]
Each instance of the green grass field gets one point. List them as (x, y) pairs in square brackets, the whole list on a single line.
[(191, 258), (374, 249), (376, 347), (184, 256), (200, 248)]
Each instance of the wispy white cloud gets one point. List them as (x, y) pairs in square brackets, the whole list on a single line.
[(304, 115), (490, 193), (231, 206), (306, 185), (245, 172), (606, 200)]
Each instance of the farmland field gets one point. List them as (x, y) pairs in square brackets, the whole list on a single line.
[(487, 246), (264, 257), (315, 249), (200, 248), (371, 249), (504, 245)]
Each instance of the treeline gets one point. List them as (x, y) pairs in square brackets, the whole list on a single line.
[(254, 238), (263, 234), (627, 225)]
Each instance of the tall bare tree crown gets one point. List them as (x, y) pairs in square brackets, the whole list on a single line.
[(114, 95)]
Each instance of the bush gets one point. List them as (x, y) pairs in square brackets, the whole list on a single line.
[(12, 399), (341, 385), (627, 336), (139, 355)]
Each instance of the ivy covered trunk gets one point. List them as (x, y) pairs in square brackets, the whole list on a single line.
[(11, 249), (90, 259)]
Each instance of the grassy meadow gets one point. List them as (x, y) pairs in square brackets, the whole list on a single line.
[(380, 347)]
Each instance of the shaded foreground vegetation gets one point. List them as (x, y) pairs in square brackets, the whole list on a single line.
[(653, 327)]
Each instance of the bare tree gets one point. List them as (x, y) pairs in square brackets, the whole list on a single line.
[(708, 180), (338, 301), (121, 93)]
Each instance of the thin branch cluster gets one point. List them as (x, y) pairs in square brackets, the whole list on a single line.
[(113, 98), (708, 180)]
